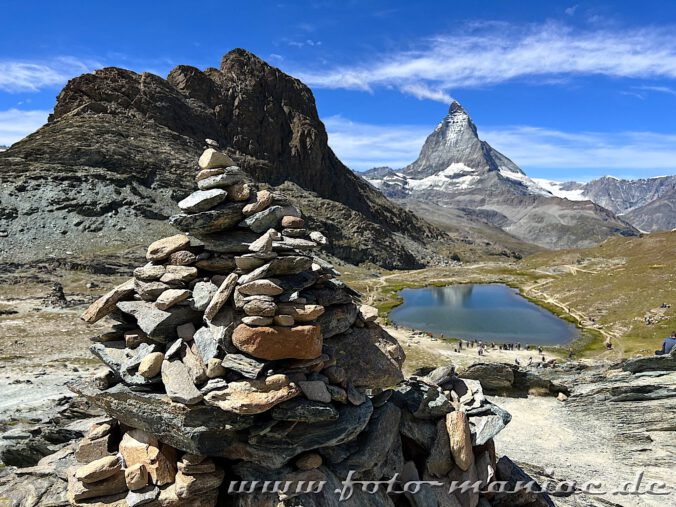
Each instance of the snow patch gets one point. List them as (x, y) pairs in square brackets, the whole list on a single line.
[(525, 180), (554, 188)]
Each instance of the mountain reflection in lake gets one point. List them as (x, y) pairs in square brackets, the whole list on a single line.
[(487, 312)]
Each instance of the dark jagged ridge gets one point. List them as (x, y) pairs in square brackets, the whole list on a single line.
[(88, 173)]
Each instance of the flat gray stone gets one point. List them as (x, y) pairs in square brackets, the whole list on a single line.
[(142, 496), (159, 325), (178, 383), (206, 344), (268, 218), (203, 200), (202, 294), (221, 218), (244, 365)]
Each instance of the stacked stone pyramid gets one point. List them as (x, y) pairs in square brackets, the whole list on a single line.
[(238, 355)]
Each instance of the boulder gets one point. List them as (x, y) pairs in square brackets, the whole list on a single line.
[(494, 377), (260, 307), (179, 384), (212, 158), (226, 179), (107, 303), (368, 313), (182, 258), (142, 496), (261, 287), (460, 436), (263, 200), (171, 297), (337, 319), (293, 222), (302, 410), (309, 461), (136, 476), (253, 396), (99, 469), (223, 217), (150, 272), (268, 218), (163, 248), (203, 200), (278, 342), (221, 296), (315, 390), (159, 325), (199, 429), (301, 312), (202, 293), (190, 486), (370, 357), (78, 490), (151, 365), (440, 461), (139, 447), (239, 192)]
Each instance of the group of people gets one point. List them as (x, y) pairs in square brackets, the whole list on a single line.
[(668, 345)]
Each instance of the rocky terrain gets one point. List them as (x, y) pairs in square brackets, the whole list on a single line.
[(647, 204), (464, 175), (83, 183), (236, 355)]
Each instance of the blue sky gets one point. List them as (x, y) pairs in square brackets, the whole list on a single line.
[(568, 90)]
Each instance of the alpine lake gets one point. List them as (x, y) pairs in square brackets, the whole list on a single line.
[(488, 312)]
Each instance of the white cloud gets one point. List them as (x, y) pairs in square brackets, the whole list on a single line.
[(31, 76), (362, 146), (16, 124), (540, 151), (487, 54), (598, 152)]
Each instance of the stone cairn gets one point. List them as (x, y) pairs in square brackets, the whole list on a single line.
[(238, 356)]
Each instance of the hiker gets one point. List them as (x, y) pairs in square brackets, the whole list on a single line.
[(668, 345), (539, 349), (460, 344), (570, 354)]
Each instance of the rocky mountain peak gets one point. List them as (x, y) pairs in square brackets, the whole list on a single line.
[(106, 122), (455, 150)]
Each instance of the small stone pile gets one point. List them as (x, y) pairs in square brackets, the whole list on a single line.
[(238, 355)]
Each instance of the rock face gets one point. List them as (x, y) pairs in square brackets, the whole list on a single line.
[(85, 180), (466, 176), (647, 204)]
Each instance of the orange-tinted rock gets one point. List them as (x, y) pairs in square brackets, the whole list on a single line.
[(140, 447), (106, 303), (277, 342), (163, 248), (253, 396)]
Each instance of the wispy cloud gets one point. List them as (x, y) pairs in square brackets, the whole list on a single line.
[(624, 153), (362, 146), (492, 53), (541, 152), (31, 76), (16, 124), (658, 89)]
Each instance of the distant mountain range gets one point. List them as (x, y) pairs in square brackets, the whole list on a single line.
[(459, 177), (648, 204)]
